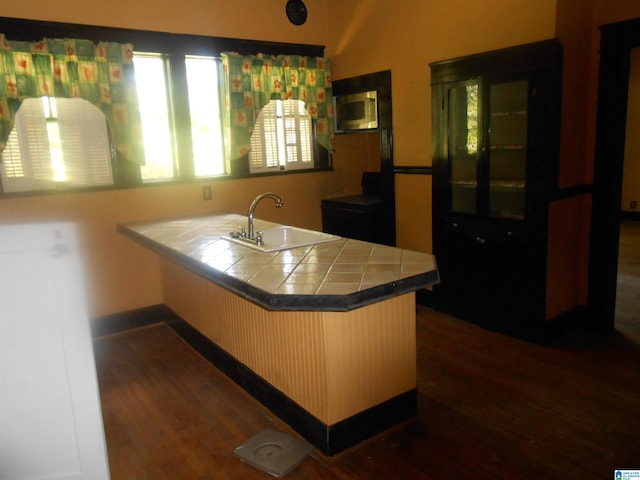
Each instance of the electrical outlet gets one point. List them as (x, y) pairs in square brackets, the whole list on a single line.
[(633, 205), (206, 193)]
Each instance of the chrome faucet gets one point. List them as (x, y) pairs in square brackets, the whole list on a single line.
[(253, 206)]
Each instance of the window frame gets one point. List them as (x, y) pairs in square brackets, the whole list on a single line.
[(175, 47)]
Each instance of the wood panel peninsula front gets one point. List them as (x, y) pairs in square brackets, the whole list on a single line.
[(322, 335)]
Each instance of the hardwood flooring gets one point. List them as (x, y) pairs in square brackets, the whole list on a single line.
[(489, 406), (628, 289)]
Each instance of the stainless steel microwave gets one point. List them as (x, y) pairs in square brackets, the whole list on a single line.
[(358, 111)]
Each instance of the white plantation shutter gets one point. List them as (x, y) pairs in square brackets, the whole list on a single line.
[(71, 148), (297, 135), (26, 164), (85, 143), (264, 141), (281, 137)]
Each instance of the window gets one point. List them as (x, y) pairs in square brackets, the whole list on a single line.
[(281, 138), (57, 142), (178, 81), (204, 110), (158, 116), (153, 100)]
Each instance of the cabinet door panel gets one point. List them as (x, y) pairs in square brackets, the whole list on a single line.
[(490, 274), (50, 416), (508, 134), (495, 162), (459, 284), (462, 145), (511, 282)]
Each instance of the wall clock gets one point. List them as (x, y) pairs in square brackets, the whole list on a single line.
[(296, 12)]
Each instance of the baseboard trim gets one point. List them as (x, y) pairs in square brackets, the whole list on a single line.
[(424, 297), (578, 318), (630, 216), (123, 321), (328, 439)]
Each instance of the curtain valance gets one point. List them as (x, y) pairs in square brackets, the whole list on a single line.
[(250, 82), (102, 73)]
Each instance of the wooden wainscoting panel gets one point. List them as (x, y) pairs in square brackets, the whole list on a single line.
[(284, 348), (333, 364), (371, 355), (413, 212), (568, 255)]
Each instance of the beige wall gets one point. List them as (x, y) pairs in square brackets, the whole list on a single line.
[(574, 30), (120, 275), (362, 36), (250, 19), (123, 276), (372, 35), (631, 176)]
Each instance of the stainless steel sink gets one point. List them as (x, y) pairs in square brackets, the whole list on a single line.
[(283, 238)]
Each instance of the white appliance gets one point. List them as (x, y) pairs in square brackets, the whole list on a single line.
[(50, 414)]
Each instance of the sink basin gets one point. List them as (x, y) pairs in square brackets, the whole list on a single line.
[(284, 238)]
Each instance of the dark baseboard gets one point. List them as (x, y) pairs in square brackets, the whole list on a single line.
[(575, 319), (328, 439), (579, 320), (632, 216), (424, 297), (120, 322), (369, 423)]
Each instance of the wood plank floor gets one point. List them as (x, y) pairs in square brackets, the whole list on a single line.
[(489, 406)]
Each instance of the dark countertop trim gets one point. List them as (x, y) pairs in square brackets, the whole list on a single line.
[(288, 302)]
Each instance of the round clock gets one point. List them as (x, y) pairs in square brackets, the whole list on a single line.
[(296, 12)]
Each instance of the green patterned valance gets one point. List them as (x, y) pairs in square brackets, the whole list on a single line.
[(103, 74), (250, 82)]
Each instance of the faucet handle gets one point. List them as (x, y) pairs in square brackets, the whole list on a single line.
[(243, 232), (259, 239)]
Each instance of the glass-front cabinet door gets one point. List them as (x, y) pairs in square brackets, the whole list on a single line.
[(507, 149), (463, 147), (487, 148), (495, 149)]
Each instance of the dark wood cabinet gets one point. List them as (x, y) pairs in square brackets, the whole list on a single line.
[(353, 216), (495, 163)]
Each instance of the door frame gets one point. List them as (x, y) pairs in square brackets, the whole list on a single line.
[(380, 82), (616, 42)]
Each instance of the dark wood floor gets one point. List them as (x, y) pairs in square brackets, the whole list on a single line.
[(489, 406), (628, 292)]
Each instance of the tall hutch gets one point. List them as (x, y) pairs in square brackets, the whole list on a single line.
[(496, 126)]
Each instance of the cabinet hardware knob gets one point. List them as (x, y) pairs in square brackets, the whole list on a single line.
[(480, 240)]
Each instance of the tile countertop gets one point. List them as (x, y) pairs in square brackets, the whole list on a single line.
[(340, 275)]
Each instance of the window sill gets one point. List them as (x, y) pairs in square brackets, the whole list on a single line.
[(159, 183)]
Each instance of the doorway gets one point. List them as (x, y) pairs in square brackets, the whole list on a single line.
[(627, 299), (617, 41)]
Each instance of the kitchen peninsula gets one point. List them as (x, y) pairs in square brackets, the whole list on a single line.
[(322, 335)]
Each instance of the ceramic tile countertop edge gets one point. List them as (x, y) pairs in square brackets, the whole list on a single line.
[(283, 301)]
